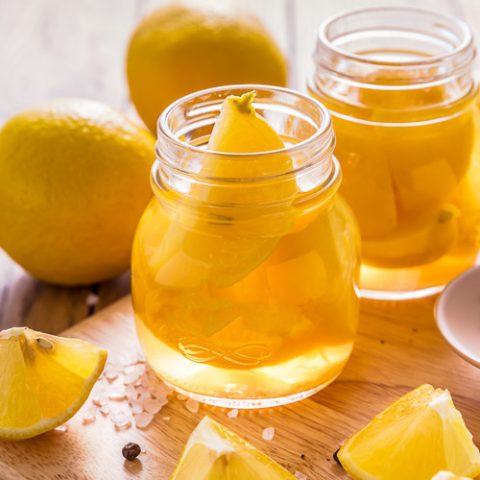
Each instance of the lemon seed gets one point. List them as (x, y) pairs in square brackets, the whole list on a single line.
[(44, 343)]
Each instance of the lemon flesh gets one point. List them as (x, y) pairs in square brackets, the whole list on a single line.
[(215, 453), (198, 248), (419, 435), (44, 380)]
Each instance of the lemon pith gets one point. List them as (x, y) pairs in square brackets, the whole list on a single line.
[(417, 436), (444, 475), (215, 453), (44, 380)]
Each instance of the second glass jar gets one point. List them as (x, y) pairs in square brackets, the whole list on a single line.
[(400, 87)]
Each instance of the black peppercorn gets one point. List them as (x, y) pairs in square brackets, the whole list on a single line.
[(131, 451)]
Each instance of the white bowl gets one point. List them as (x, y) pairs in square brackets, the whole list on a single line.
[(458, 315)]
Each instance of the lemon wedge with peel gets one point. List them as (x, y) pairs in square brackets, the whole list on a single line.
[(44, 380), (215, 453), (419, 435), (221, 244)]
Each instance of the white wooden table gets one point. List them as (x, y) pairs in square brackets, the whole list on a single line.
[(59, 48)]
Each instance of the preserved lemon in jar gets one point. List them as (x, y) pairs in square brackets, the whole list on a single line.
[(246, 260)]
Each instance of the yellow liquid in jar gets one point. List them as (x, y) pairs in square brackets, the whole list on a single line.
[(413, 182), (282, 330)]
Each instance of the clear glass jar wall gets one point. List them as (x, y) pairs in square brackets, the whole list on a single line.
[(244, 282), (400, 87)]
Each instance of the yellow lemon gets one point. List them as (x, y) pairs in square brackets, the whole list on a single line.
[(74, 180), (182, 48), (44, 380), (215, 453), (417, 436)]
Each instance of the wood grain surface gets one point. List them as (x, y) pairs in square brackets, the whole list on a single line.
[(54, 48), (398, 348)]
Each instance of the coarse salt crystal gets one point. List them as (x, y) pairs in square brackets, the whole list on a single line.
[(89, 416), (144, 394), (131, 393), (110, 373), (143, 420), (166, 418), (121, 421), (192, 405), (117, 394), (61, 429), (92, 299), (233, 413), (130, 378), (158, 391), (104, 410), (129, 358), (181, 396), (136, 407), (268, 434), (100, 400), (153, 405), (300, 475)]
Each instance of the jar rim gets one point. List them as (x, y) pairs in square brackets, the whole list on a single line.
[(164, 131), (466, 41)]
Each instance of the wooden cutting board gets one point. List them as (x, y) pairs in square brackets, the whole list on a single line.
[(398, 348)]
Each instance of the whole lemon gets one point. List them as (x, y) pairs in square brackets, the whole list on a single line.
[(74, 180), (179, 49)]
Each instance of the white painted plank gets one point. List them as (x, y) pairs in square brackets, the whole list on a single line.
[(60, 48)]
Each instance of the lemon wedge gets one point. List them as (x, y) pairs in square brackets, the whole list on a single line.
[(215, 453), (44, 380), (444, 475), (424, 240), (220, 247), (417, 436)]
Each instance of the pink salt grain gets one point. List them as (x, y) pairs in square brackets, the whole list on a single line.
[(192, 405), (117, 394), (92, 299), (99, 400), (61, 429), (300, 475), (143, 420), (104, 410), (110, 373), (268, 434), (89, 416), (121, 421), (153, 405), (136, 407)]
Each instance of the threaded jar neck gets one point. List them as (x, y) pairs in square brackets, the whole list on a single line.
[(185, 167), (383, 51)]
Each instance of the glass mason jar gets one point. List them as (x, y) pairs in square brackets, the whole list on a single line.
[(401, 92), (244, 281)]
